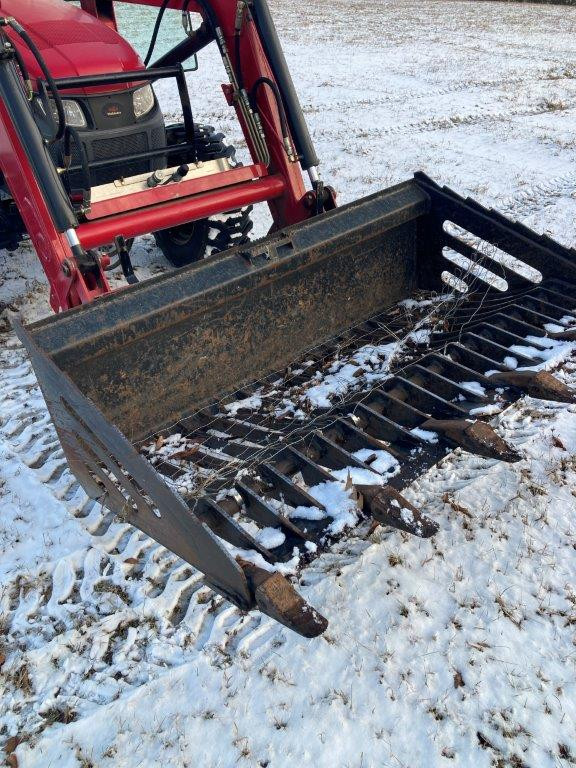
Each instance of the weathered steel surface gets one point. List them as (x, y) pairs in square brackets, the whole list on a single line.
[(218, 324), (540, 384), (276, 597), (474, 436)]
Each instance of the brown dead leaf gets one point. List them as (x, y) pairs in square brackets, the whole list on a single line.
[(483, 741), (458, 679), (353, 492), (11, 744), (12, 761), (160, 440), (508, 612), (2, 658), (479, 646), (131, 560), (373, 526), (557, 443), (186, 453), (449, 499)]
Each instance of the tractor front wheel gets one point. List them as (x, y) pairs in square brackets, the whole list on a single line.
[(185, 244), (195, 240)]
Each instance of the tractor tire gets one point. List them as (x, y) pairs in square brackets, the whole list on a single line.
[(194, 241)]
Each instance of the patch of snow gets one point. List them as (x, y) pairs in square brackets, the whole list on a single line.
[(422, 336), (369, 364), (473, 386), (425, 434), (338, 504), (251, 403), (379, 460), (554, 328), (359, 476), (270, 537), (486, 410), (470, 638)]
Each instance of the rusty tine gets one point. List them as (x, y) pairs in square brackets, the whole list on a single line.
[(539, 384), (474, 436), (389, 507), (568, 335), (275, 596)]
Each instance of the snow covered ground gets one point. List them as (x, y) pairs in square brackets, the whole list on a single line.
[(459, 650)]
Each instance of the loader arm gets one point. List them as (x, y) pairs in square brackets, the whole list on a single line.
[(260, 90), (246, 33)]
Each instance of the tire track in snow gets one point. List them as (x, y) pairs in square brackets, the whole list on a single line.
[(533, 198), (401, 96), (155, 611), (125, 598), (447, 122), (154, 595)]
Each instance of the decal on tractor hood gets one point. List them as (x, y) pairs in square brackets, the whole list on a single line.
[(112, 110)]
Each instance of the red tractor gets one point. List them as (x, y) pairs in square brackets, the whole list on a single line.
[(87, 161)]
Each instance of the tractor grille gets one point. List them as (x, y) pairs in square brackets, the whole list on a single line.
[(158, 138), (119, 146), (110, 148)]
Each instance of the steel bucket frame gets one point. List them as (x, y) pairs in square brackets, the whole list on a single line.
[(135, 362)]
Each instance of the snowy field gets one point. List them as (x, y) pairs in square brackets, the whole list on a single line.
[(455, 651)]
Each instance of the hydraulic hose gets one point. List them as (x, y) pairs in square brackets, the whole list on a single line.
[(276, 92), (33, 145), (155, 31), (274, 54), (252, 118), (239, 23), (238, 61), (61, 126)]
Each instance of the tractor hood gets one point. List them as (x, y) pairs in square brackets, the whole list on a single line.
[(72, 42)]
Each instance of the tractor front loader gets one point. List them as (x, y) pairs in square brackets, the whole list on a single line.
[(180, 402)]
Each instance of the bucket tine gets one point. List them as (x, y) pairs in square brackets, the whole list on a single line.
[(567, 335), (474, 436), (389, 507), (261, 512), (286, 490), (223, 525), (539, 384), (276, 597), (312, 473)]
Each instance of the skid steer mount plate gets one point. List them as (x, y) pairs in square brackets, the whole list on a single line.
[(177, 356)]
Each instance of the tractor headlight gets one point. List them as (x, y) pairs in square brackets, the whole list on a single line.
[(73, 113), (75, 118), (143, 100)]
